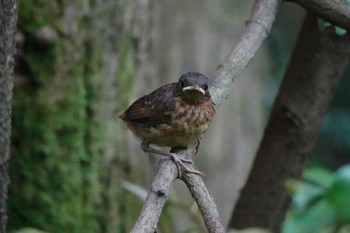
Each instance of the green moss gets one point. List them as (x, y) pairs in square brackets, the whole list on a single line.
[(55, 166), (42, 64), (61, 136), (46, 166), (34, 14), (41, 60)]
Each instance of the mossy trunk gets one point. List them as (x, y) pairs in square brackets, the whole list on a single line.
[(75, 66)]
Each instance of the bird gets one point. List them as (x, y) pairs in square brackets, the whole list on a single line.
[(174, 115)]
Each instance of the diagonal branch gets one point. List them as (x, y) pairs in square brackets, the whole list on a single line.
[(156, 198), (257, 29), (205, 202), (332, 11), (315, 68)]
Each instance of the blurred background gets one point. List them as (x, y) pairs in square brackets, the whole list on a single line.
[(75, 167)]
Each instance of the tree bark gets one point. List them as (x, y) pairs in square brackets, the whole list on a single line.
[(8, 19), (76, 66), (315, 68), (335, 12)]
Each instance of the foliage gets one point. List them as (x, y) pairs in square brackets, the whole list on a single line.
[(321, 202), (338, 30)]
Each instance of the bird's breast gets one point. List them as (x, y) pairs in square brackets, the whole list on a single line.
[(192, 119), (185, 123)]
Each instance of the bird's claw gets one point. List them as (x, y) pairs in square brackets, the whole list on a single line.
[(176, 157), (181, 162)]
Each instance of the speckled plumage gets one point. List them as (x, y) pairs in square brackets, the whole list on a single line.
[(174, 115), (167, 117)]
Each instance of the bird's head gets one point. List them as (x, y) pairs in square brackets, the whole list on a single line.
[(193, 88)]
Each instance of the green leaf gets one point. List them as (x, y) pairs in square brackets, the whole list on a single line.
[(307, 194), (340, 31), (313, 220), (339, 194), (320, 176), (322, 24)]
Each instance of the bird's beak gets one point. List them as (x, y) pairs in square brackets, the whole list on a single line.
[(194, 88)]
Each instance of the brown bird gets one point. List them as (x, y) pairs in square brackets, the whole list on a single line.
[(174, 115)]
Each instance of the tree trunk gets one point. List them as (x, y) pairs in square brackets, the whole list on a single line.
[(8, 18), (77, 63), (315, 68)]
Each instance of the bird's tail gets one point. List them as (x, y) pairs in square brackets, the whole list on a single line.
[(122, 116)]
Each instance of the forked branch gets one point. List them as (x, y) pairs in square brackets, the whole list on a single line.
[(257, 29)]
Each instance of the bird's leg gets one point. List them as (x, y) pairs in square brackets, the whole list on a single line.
[(198, 142), (146, 148), (174, 157)]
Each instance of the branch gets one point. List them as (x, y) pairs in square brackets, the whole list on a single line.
[(205, 202), (332, 11), (314, 70), (158, 194), (256, 30), (156, 198)]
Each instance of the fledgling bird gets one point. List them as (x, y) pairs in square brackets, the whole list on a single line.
[(174, 115)]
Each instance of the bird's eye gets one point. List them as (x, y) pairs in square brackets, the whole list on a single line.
[(205, 87), (182, 84)]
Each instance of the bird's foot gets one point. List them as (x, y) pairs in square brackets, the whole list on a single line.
[(180, 164)]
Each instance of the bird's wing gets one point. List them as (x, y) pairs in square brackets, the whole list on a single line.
[(152, 109)]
